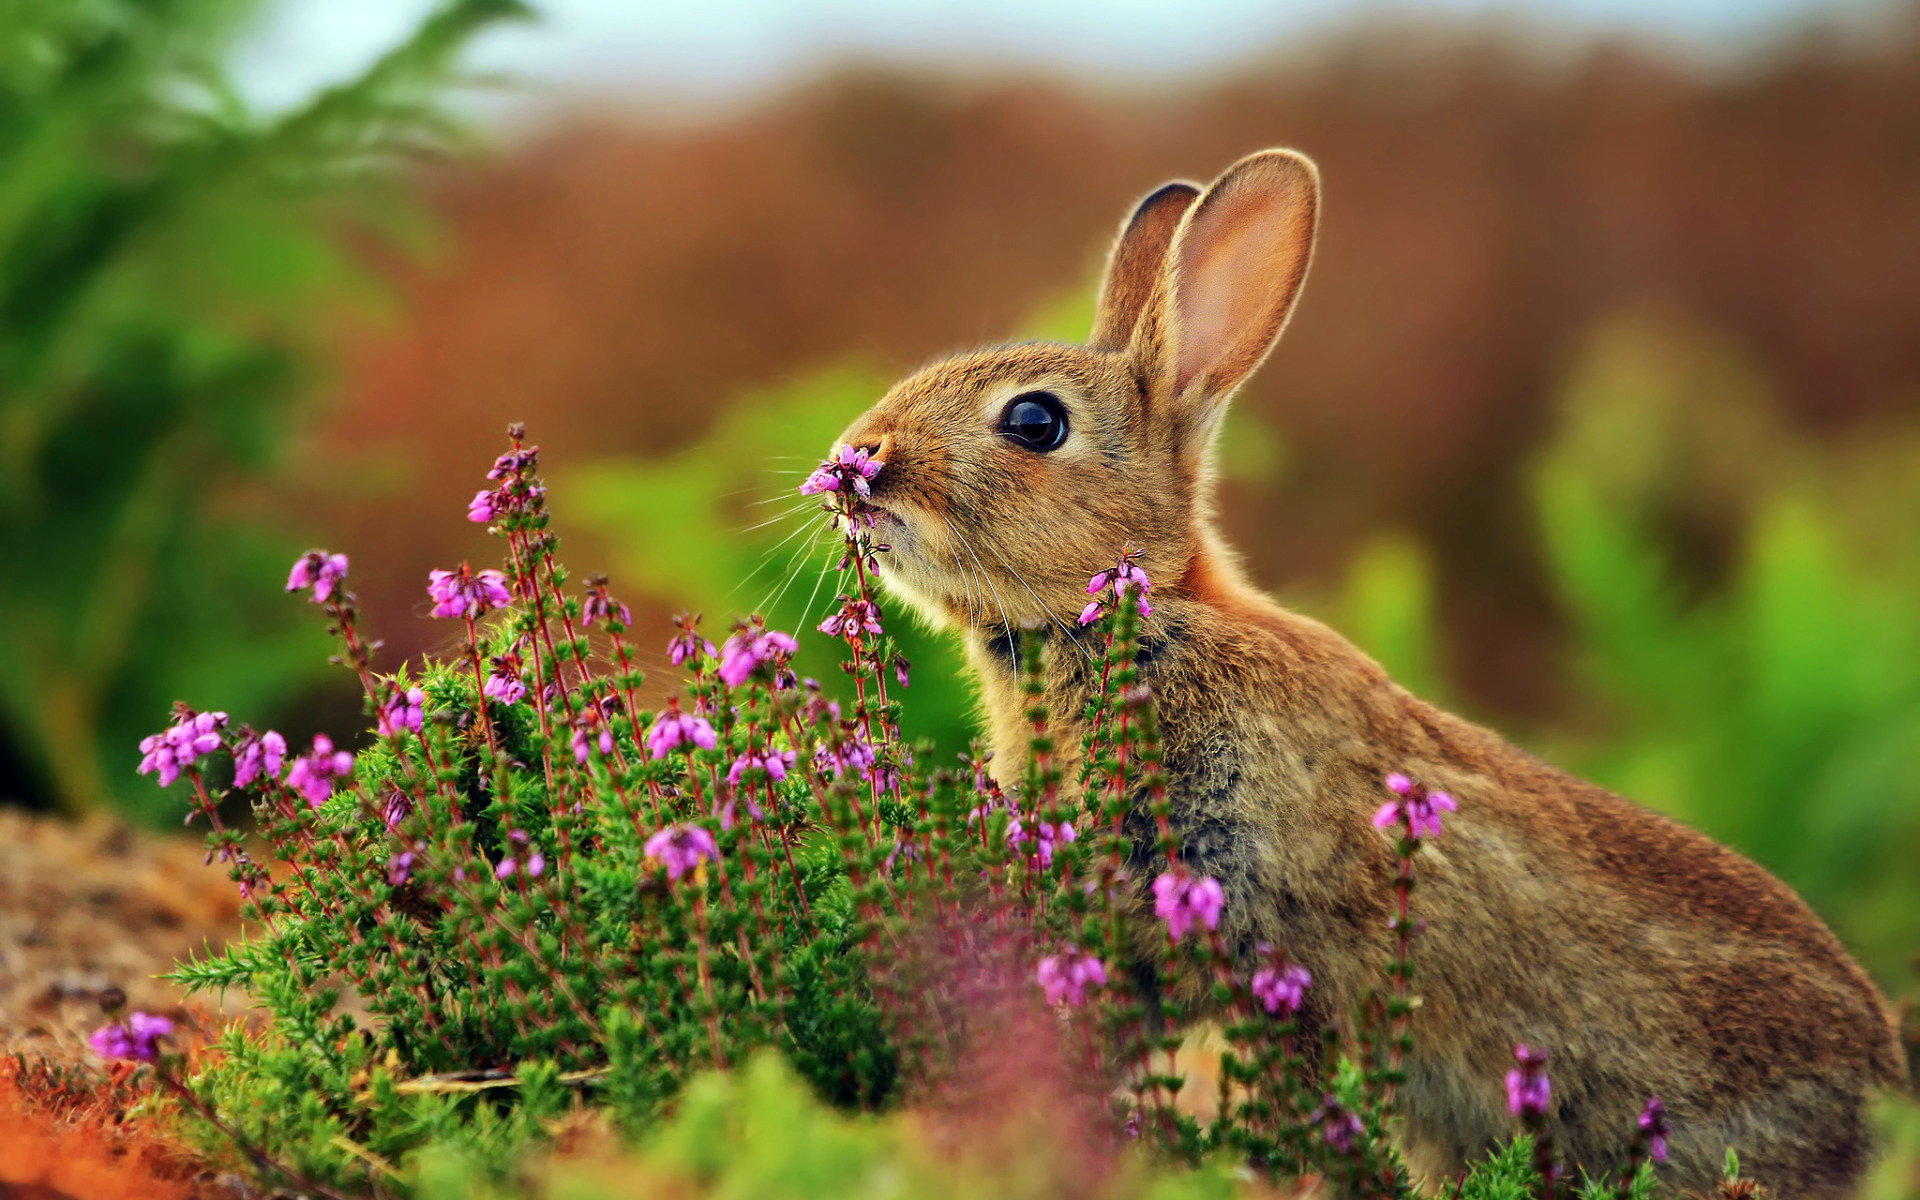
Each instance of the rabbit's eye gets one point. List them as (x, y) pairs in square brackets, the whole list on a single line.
[(1035, 421)]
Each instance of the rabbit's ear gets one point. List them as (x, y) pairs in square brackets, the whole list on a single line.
[(1137, 264), (1233, 272)]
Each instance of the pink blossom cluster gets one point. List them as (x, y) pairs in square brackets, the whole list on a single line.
[(177, 749), (773, 762), (681, 848), (466, 592), (1183, 900), (1125, 578), (854, 618), (749, 648), (846, 468), (313, 773), (402, 712), (1414, 806), (1042, 836), (673, 729), (135, 1038), (320, 571), (1281, 987), (1066, 976), (257, 756), (1528, 1088)]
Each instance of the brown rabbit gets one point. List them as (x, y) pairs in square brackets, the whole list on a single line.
[(1650, 960)]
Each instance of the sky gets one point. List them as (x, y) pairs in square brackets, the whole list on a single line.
[(717, 51)]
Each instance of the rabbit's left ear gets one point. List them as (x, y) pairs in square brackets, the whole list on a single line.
[(1138, 263), (1232, 274)]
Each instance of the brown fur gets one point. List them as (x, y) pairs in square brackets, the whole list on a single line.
[(1648, 958)]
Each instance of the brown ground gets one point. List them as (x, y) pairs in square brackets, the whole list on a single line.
[(88, 907)]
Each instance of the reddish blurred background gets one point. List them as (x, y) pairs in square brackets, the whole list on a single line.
[(616, 283)]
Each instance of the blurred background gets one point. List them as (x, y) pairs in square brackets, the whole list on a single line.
[(1599, 420)]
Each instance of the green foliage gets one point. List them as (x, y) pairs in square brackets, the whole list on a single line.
[(718, 528), (1773, 703), (163, 255)]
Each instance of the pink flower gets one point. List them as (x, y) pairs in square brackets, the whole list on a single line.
[(257, 754), (1092, 612), (674, 728), (403, 711), (313, 773), (1044, 836), (601, 608), (177, 749), (584, 739), (853, 754), (467, 593), (688, 644), (773, 762), (1528, 1088), (1338, 1126), (846, 467), (487, 506), (1181, 899), (536, 865), (504, 686), (1654, 1128), (749, 648), (133, 1038), (681, 848), (1281, 987), (1066, 976), (1126, 578), (320, 571), (1415, 806), (400, 868), (517, 461), (854, 617)]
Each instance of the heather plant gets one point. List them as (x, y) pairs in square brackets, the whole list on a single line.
[(541, 888)]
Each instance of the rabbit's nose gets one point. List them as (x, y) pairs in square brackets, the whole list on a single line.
[(878, 446)]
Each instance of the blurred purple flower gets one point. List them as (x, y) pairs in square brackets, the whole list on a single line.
[(517, 461), (536, 865), (1181, 899), (1066, 976), (688, 644), (1338, 1126), (1044, 837), (467, 593), (400, 868), (673, 728), (313, 773), (749, 648), (601, 608), (399, 804), (773, 762), (403, 711), (844, 468), (1415, 806), (181, 745), (504, 686), (584, 738), (680, 848), (855, 617), (320, 571), (1654, 1127), (1528, 1088), (134, 1038), (256, 755), (487, 506), (1281, 987)]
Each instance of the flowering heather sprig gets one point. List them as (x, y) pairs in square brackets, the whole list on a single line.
[(1126, 579), (1528, 1087), (1414, 806), (854, 618), (773, 762), (257, 756), (1066, 976), (687, 645), (320, 571), (846, 469), (749, 648), (682, 848), (673, 728), (1042, 836), (600, 608), (1183, 900), (1281, 988), (182, 745), (135, 1038), (466, 592), (504, 681), (591, 729), (1654, 1128), (313, 773), (1340, 1128), (403, 712)]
